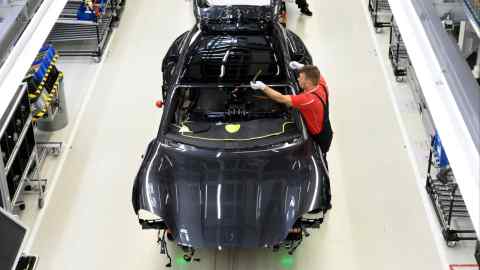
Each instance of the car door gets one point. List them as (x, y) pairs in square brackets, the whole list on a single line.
[(169, 63)]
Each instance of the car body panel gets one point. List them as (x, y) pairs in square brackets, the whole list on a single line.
[(230, 199), (246, 197)]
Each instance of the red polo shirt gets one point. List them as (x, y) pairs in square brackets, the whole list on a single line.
[(311, 107)]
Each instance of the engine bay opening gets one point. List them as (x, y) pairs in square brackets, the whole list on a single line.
[(231, 114)]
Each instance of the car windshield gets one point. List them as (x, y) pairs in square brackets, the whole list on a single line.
[(230, 117)]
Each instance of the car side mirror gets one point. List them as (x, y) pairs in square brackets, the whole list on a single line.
[(159, 104)]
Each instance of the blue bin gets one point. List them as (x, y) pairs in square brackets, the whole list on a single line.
[(439, 152)]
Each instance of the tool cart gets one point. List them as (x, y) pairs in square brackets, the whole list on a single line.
[(398, 53), (381, 14), (446, 198), (84, 28)]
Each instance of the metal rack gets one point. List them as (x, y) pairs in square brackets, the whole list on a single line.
[(381, 13), (21, 154), (73, 35), (447, 200), (19, 151), (398, 53)]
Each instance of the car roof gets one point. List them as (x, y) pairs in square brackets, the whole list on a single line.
[(217, 58)]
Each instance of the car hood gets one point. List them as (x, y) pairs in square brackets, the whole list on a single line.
[(236, 199)]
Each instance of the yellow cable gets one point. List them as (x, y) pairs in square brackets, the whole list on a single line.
[(249, 139)]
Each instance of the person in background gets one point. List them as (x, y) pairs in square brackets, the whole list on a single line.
[(303, 6)]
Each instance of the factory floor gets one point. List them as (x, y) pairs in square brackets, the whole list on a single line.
[(378, 221)]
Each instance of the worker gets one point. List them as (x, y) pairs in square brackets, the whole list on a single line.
[(303, 6), (313, 103)]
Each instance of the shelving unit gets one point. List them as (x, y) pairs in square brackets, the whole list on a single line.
[(398, 53), (35, 104), (19, 151), (446, 198), (451, 93), (381, 13), (71, 34)]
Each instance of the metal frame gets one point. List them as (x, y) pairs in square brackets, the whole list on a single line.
[(449, 205), (29, 179), (11, 198), (69, 29), (380, 13), (397, 53)]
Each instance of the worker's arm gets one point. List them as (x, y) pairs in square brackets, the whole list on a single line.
[(273, 94)]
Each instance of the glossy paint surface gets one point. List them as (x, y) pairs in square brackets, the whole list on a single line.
[(230, 199), (219, 198)]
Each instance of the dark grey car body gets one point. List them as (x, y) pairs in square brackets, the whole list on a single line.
[(230, 193)]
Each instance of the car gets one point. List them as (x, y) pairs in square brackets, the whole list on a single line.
[(230, 168)]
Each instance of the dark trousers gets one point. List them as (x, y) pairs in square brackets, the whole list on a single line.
[(302, 4), (324, 141)]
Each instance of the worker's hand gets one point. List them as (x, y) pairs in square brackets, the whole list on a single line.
[(296, 65), (258, 85)]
